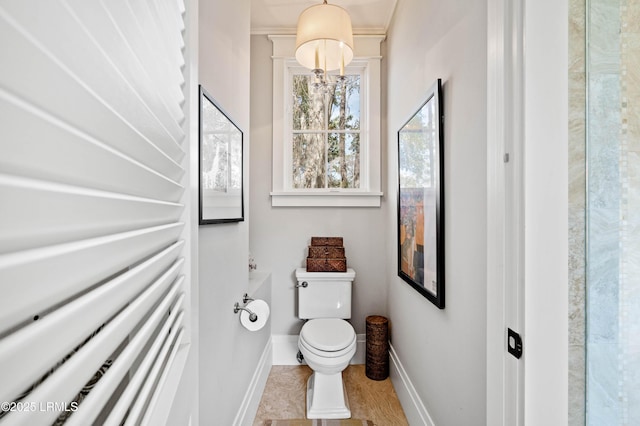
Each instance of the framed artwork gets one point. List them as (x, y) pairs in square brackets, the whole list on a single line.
[(220, 165), (421, 199)]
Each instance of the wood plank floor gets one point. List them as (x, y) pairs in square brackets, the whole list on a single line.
[(284, 396)]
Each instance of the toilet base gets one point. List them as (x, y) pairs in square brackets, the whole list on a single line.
[(327, 397)]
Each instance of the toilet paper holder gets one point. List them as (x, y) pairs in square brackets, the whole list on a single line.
[(253, 317)]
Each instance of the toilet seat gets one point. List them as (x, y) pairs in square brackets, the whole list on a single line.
[(328, 337), (327, 354)]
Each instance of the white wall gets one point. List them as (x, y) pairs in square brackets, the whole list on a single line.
[(279, 236), (443, 351), (228, 354), (546, 212)]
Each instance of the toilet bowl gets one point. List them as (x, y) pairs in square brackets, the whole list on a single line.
[(327, 345)]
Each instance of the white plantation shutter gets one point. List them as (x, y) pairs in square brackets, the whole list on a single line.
[(92, 177)]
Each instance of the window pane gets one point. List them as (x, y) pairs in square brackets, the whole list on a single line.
[(344, 160), (235, 161), (308, 107), (345, 104), (308, 160), (215, 161)]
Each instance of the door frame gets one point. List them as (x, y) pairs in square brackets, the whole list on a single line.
[(505, 209)]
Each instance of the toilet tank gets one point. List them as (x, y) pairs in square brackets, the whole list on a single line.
[(325, 295)]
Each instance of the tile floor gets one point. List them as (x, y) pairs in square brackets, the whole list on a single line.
[(284, 396)]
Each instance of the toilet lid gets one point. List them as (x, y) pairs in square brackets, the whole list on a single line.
[(328, 334)]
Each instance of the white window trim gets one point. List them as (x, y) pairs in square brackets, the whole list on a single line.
[(366, 56)]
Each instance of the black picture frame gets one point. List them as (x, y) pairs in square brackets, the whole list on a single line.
[(220, 165), (421, 198)]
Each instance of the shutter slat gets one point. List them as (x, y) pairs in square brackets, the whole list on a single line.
[(171, 45), (66, 381), (33, 345), (128, 64), (40, 213), (105, 81), (174, 11), (60, 92), (50, 275), (101, 393), (38, 139), (139, 43), (128, 396), (154, 39), (148, 389), (93, 170), (162, 377), (170, 358)]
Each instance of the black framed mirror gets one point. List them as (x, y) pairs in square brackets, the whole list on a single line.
[(220, 165)]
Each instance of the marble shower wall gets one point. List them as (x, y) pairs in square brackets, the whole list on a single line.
[(603, 210), (577, 209), (629, 321), (612, 210)]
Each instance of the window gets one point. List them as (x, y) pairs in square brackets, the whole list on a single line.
[(326, 144), (325, 132)]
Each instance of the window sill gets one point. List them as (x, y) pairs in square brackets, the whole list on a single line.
[(325, 199)]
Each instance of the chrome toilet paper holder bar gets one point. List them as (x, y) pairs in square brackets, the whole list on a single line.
[(253, 317)]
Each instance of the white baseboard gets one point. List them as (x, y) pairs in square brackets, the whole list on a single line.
[(285, 349), (361, 347), (414, 409), (250, 403)]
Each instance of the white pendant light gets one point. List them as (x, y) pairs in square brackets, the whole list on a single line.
[(324, 38)]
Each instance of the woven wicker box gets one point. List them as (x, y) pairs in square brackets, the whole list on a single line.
[(326, 252), (327, 241), (326, 265)]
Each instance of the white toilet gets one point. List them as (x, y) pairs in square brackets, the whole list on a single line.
[(327, 342)]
